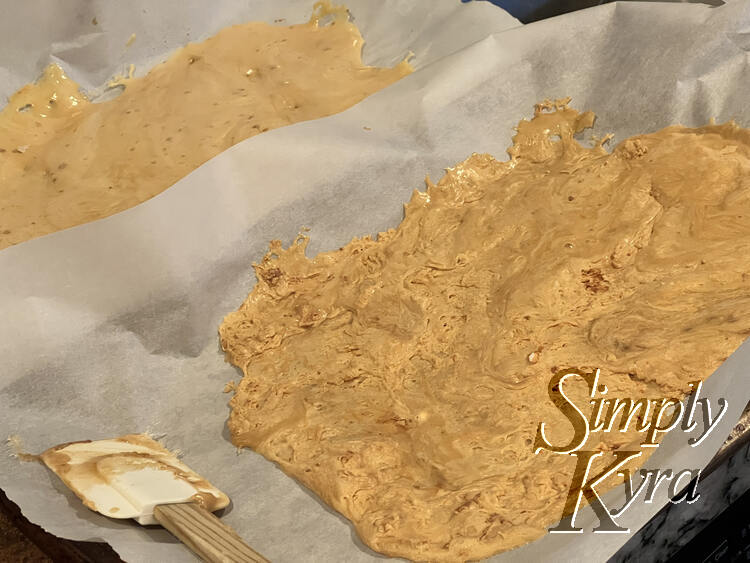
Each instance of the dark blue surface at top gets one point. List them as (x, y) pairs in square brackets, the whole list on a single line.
[(531, 10)]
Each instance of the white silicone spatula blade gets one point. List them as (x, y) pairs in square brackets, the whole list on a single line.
[(136, 477)]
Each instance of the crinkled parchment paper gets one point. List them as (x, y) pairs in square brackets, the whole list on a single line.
[(110, 327)]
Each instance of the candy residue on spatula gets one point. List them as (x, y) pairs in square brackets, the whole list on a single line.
[(127, 477)]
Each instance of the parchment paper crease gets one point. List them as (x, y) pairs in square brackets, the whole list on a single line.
[(110, 327)]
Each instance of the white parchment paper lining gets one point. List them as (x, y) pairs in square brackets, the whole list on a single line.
[(110, 328)]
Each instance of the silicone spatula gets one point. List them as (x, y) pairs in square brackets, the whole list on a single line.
[(136, 477)]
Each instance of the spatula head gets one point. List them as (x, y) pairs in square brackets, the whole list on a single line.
[(127, 477)]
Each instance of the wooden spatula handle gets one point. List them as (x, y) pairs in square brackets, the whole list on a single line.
[(206, 535)]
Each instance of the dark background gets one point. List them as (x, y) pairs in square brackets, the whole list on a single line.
[(531, 10)]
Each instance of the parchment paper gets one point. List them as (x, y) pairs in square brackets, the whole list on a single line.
[(110, 328)]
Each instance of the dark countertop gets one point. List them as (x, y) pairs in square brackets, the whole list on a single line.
[(716, 527), (21, 540)]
